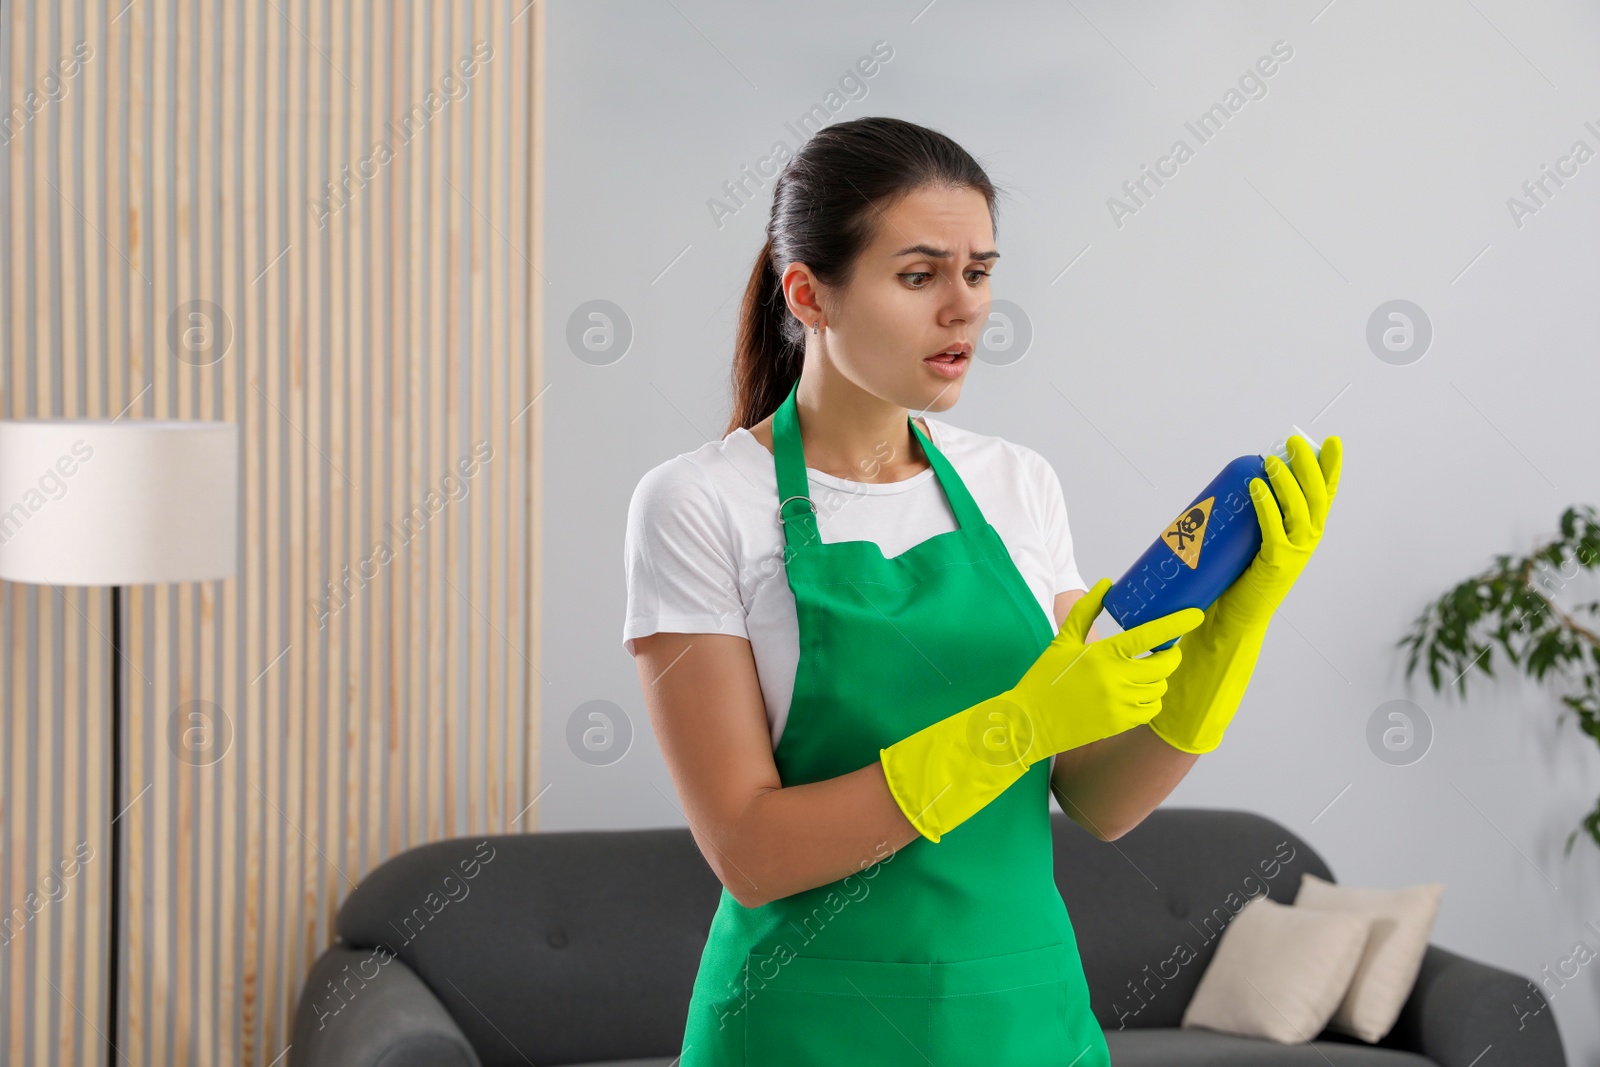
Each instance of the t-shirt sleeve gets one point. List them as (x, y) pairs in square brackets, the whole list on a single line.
[(678, 558), (1057, 534)]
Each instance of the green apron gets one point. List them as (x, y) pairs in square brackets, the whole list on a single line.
[(949, 954)]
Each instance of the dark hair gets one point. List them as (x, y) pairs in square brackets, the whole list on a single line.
[(825, 208)]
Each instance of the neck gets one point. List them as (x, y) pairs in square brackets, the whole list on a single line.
[(852, 433)]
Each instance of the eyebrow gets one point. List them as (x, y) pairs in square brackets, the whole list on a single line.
[(941, 253)]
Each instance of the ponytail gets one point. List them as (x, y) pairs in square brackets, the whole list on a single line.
[(770, 346)]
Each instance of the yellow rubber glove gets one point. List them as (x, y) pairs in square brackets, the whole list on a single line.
[(1074, 693), (1220, 655)]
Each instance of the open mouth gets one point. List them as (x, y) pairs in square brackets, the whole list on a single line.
[(952, 361)]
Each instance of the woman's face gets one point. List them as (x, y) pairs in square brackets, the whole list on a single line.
[(920, 287)]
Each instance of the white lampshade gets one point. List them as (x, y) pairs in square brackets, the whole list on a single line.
[(126, 502)]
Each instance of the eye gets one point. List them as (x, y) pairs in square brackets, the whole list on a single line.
[(973, 277)]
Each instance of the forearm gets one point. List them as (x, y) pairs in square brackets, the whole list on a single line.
[(1108, 787), (803, 836)]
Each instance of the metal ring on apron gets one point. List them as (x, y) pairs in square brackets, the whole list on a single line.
[(781, 503)]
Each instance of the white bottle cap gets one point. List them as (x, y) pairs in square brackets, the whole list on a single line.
[(1281, 448)]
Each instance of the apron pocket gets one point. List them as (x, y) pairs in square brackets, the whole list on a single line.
[(1009, 1010), (807, 1011)]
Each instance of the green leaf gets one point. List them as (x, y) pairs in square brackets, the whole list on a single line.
[(1507, 605)]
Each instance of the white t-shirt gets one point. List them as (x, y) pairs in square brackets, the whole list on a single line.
[(704, 549)]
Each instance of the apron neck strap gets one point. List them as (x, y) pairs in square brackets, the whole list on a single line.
[(795, 508)]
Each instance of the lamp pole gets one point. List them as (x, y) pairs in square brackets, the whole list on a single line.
[(114, 965)]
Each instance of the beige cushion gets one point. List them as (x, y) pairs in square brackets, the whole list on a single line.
[(1279, 972), (1401, 922)]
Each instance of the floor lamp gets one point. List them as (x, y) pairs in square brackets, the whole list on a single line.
[(117, 502)]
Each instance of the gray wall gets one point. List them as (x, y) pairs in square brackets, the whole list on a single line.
[(1378, 165)]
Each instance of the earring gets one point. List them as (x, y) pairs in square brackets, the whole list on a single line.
[(814, 326)]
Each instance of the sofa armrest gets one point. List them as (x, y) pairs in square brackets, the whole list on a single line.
[(365, 1008), (1463, 1013)]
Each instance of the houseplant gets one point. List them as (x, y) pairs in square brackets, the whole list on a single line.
[(1512, 604)]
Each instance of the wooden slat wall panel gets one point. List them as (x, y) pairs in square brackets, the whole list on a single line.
[(373, 349)]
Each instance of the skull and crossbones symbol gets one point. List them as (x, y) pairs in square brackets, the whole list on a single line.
[(1184, 529)]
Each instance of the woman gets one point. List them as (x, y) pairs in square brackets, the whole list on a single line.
[(855, 689)]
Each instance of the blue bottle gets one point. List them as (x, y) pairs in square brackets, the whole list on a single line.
[(1200, 553)]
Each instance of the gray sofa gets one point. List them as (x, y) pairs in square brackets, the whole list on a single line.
[(581, 948)]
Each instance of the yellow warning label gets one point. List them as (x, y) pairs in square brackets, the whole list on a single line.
[(1188, 530)]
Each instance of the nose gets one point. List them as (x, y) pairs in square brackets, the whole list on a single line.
[(968, 306)]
